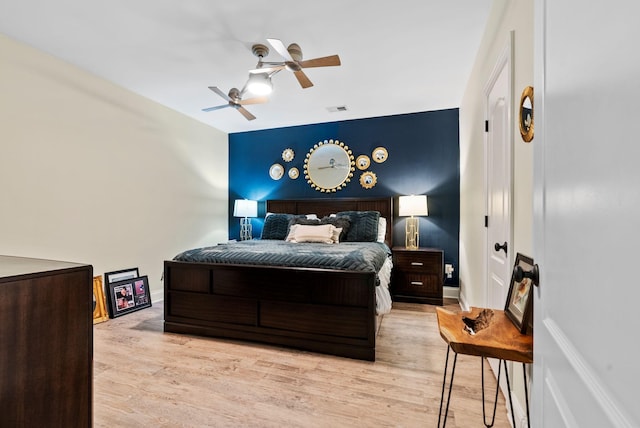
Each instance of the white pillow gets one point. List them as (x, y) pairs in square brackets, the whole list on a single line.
[(336, 234), (382, 229), (323, 233)]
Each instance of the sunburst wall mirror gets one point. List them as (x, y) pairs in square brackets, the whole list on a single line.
[(329, 166)]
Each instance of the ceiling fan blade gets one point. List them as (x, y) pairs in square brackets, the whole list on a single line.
[(281, 49), (219, 92), (215, 108), (255, 100), (245, 113), (303, 79), (326, 61)]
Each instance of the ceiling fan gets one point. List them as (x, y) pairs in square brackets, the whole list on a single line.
[(235, 100), (293, 62)]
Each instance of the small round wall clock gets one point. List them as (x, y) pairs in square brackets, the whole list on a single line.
[(294, 173), (363, 162), (288, 155), (368, 180), (379, 154), (276, 171)]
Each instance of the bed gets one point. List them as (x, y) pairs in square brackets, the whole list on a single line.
[(317, 308)]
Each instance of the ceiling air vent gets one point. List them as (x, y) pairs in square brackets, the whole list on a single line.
[(337, 108)]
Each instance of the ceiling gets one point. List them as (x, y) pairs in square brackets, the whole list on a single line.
[(397, 57)]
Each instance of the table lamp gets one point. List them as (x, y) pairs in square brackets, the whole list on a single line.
[(413, 205), (245, 208)]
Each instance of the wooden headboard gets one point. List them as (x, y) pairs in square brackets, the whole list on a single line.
[(325, 206)]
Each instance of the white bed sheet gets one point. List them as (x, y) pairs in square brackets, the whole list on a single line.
[(383, 296)]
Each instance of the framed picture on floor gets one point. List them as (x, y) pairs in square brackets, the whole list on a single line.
[(128, 295), (99, 304), (120, 275)]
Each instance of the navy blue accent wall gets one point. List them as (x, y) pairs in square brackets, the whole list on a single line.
[(424, 158)]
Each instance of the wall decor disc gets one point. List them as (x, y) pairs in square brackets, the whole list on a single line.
[(288, 155), (294, 173), (379, 154), (526, 114), (363, 162), (276, 171), (368, 180)]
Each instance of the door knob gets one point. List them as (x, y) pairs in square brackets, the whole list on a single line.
[(499, 247), (519, 274)]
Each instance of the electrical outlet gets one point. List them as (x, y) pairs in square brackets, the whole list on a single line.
[(448, 270)]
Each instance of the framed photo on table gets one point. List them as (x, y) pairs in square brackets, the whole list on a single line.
[(519, 303), (128, 295)]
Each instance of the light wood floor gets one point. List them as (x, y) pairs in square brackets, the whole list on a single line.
[(144, 377)]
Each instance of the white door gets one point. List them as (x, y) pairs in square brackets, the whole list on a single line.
[(498, 180), (586, 214)]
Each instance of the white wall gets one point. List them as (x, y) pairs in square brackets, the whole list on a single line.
[(506, 16), (93, 173)]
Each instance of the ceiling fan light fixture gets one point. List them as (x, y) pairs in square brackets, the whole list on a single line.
[(260, 84)]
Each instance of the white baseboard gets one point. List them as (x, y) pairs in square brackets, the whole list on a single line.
[(157, 296), (462, 299), (450, 292), (519, 412)]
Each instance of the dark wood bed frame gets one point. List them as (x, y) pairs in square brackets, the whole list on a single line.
[(320, 310)]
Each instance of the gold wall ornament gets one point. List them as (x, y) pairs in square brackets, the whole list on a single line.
[(294, 173), (526, 114), (276, 171), (329, 166), (379, 154), (368, 179), (363, 162), (288, 155)]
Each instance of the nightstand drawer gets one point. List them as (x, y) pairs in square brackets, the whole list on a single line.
[(417, 285), (418, 262), (418, 275)]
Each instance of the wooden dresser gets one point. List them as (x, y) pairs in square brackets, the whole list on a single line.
[(417, 275), (46, 343)]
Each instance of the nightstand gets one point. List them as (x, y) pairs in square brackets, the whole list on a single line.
[(417, 275)]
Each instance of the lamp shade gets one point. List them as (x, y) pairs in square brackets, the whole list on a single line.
[(245, 208), (259, 84), (412, 205)]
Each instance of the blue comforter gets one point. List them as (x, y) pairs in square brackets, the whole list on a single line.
[(357, 256)]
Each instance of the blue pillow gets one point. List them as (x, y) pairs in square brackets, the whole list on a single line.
[(276, 226), (363, 225), (342, 222)]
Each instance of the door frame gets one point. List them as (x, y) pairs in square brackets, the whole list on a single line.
[(505, 59)]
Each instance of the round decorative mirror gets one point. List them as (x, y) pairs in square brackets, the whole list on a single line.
[(329, 166), (526, 114), (276, 171), (368, 180), (363, 162)]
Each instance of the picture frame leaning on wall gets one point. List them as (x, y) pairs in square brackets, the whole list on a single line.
[(519, 305), (128, 296), (100, 313)]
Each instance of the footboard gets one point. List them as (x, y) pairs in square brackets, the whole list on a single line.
[(327, 311)]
